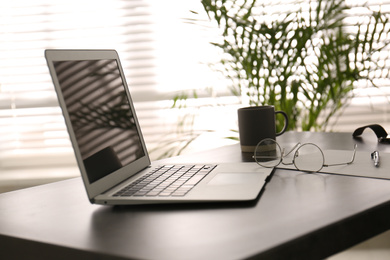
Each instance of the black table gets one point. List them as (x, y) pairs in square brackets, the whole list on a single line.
[(298, 216)]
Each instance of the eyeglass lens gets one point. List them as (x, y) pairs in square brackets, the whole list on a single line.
[(309, 158), (268, 153)]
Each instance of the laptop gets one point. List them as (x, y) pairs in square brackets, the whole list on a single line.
[(110, 150)]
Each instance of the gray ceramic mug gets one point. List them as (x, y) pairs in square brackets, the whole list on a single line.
[(258, 123)]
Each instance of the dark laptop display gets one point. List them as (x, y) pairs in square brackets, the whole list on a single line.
[(100, 114)]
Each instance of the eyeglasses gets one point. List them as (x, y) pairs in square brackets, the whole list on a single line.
[(307, 157)]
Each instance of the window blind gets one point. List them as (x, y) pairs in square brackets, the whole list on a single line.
[(163, 54)]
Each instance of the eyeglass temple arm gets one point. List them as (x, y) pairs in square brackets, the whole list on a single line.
[(292, 149), (284, 155), (350, 162), (287, 154)]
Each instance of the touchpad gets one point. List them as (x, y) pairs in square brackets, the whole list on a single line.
[(235, 178)]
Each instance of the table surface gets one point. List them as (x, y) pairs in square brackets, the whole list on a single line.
[(298, 216)]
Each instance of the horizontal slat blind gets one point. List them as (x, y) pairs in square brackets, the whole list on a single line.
[(162, 55)]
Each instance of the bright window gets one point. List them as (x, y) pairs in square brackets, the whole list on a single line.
[(163, 54)]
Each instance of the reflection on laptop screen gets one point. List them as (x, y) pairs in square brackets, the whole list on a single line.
[(100, 113)]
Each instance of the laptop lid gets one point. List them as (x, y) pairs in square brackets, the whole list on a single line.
[(99, 115)]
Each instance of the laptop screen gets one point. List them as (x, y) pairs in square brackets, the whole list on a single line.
[(101, 116)]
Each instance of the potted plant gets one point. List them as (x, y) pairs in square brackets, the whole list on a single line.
[(305, 58)]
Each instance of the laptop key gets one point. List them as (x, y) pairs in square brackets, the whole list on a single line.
[(153, 193), (194, 180)]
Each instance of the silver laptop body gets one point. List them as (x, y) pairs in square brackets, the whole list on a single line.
[(108, 143)]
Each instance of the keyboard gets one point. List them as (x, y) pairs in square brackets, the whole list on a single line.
[(167, 180)]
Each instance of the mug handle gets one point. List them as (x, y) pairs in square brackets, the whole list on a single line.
[(285, 122)]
